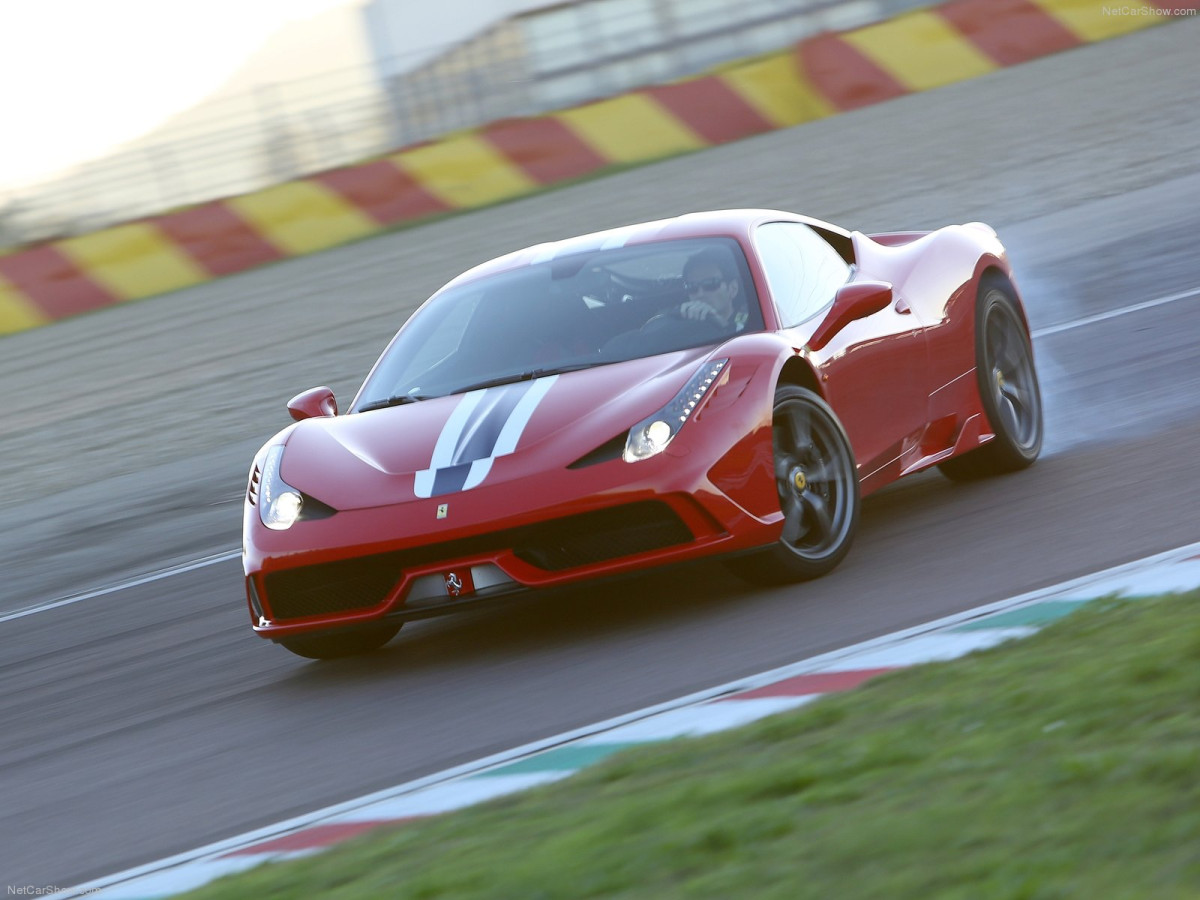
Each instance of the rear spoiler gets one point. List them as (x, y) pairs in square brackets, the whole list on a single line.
[(896, 238)]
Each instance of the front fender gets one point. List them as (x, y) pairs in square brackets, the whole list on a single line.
[(736, 418)]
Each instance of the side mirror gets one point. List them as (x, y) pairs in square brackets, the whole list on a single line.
[(314, 403), (852, 302)]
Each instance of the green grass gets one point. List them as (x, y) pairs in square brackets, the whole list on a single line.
[(1066, 765)]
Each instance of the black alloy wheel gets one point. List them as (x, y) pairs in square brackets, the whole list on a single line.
[(1008, 388), (817, 481)]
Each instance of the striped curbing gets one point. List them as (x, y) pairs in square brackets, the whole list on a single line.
[(818, 77), (717, 709)]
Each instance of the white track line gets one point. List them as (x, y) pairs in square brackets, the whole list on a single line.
[(124, 585), (1113, 313), (232, 554)]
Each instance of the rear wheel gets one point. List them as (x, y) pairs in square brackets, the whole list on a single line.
[(817, 482), (342, 643), (1008, 387)]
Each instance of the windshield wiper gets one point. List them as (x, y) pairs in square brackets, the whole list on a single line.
[(528, 375), (398, 400), (511, 378)]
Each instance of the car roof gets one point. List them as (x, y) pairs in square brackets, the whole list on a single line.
[(734, 223)]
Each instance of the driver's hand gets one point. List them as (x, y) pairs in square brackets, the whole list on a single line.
[(697, 310)]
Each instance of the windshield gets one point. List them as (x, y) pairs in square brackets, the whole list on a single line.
[(585, 309)]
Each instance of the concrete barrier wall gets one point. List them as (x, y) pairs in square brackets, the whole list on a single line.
[(821, 76)]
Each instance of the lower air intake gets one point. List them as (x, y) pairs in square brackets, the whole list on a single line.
[(328, 588), (601, 535), (553, 546)]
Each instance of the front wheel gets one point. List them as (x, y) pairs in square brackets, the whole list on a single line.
[(817, 482), (1008, 388), (340, 644)]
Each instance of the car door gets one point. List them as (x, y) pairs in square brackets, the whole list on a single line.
[(874, 372)]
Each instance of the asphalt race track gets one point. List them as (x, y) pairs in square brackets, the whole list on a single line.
[(149, 720)]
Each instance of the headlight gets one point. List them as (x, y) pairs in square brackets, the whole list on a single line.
[(651, 435), (279, 503)]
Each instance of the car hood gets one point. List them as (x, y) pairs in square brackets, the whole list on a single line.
[(451, 444)]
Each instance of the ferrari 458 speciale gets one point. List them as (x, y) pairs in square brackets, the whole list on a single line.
[(724, 384)]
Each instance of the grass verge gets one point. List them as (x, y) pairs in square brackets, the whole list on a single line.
[(1066, 765)]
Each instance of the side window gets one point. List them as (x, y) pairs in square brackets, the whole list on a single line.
[(802, 269)]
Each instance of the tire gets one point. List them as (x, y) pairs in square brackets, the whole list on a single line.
[(817, 481), (342, 643), (1008, 388)]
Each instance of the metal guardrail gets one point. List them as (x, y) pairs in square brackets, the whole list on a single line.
[(543, 60)]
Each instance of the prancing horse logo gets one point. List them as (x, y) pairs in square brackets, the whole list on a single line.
[(454, 584)]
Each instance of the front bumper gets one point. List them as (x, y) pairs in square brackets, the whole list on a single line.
[(429, 557)]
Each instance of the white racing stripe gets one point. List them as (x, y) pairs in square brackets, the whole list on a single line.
[(466, 434), (513, 428), (443, 451), (506, 443), (233, 554)]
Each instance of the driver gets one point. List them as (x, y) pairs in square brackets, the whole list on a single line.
[(711, 283)]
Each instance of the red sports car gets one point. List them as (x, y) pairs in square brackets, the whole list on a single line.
[(723, 383)]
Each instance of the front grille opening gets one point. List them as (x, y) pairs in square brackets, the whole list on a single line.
[(553, 546), (602, 535), (343, 586)]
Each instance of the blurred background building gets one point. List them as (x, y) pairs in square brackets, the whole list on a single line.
[(368, 77)]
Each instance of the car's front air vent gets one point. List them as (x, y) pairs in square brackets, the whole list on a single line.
[(252, 490), (607, 451), (593, 537), (331, 588), (315, 509)]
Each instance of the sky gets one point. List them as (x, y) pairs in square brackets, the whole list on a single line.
[(78, 76)]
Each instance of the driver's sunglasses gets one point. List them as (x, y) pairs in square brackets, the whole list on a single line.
[(704, 284)]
